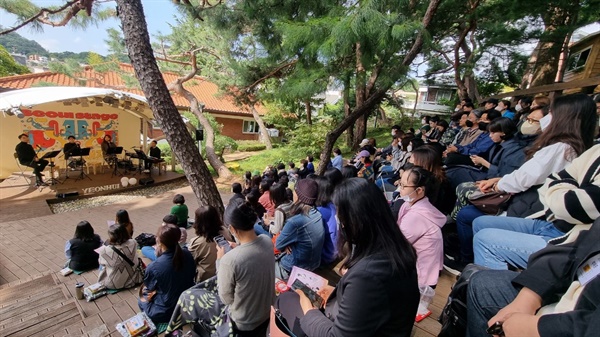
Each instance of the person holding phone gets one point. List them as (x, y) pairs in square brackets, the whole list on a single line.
[(209, 230)]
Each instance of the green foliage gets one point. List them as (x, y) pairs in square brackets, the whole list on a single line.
[(8, 66), (250, 146), (15, 43), (165, 151), (222, 142), (309, 139)]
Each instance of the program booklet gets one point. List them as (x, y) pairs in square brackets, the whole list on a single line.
[(310, 284)]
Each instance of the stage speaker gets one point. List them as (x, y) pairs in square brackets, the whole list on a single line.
[(146, 181), (63, 195), (199, 135)]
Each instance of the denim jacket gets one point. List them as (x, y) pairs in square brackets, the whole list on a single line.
[(480, 146), (305, 235)]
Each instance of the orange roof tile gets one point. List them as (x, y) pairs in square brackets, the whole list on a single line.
[(206, 91)]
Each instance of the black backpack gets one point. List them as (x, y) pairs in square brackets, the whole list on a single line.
[(454, 315), (145, 239)]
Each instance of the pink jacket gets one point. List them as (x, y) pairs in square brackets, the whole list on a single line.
[(421, 224)]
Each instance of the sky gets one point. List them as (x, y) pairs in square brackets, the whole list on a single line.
[(159, 14)]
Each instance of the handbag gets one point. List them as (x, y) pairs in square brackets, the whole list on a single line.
[(492, 203), (140, 269)]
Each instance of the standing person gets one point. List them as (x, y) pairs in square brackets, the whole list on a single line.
[(207, 226), (80, 250), (378, 295), (245, 275), (337, 161), (122, 218), (119, 260), (167, 277), (303, 234), (421, 224), (180, 210), (28, 157)]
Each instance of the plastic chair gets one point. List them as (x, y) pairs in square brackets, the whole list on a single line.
[(21, 168)]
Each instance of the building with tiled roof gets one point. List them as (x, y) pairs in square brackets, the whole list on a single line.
[(237, 122)]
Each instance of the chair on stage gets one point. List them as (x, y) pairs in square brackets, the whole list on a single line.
[(28, 179)]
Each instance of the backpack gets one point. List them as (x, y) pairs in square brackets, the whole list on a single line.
[(454, 314), (145, 239)]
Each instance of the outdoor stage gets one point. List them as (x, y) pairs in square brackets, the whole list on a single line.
[(21, 200)]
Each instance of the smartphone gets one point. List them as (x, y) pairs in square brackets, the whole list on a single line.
[(495, 329), (220, 240)]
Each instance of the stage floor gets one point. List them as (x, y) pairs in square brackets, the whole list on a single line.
[(20, 200)]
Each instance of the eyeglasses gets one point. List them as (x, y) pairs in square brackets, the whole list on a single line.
[(532, 121), (403, 186)]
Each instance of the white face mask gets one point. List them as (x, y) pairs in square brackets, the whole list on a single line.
[(409, 148), (497, 108), (393, 133), (457, 109), (407, 197), (518, 107), (545, 121)]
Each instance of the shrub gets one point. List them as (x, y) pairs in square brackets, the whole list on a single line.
[(255, 146)]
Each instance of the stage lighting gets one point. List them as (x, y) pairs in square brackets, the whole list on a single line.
[(15, 111)]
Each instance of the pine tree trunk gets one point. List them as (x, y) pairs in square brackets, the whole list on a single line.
[(350, 131), (308, 112), (264, 134), (360, 130), (135, 30)]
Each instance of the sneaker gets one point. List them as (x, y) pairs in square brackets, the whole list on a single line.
[(454, 267)]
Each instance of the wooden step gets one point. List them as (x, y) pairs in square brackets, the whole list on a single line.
[(45, 324), (24, 290)]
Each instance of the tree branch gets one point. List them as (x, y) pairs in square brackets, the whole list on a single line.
[(269, 75), (42, 12), (418, 45)]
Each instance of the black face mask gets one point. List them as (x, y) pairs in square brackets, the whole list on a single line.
[(483, 126), (469, 124)]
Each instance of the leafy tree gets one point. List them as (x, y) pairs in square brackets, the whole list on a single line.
[(8, 65), (15, 43), (367, 45)]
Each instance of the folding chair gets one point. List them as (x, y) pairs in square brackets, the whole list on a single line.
[(28, 179)]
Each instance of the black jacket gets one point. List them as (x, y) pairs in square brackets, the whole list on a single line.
[(25, 153), (83, 256), (551, 271), (369, 300)]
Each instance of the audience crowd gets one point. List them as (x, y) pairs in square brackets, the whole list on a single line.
[(516, 190)]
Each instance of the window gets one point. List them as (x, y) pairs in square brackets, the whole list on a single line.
[(250, 127), (577, 61)]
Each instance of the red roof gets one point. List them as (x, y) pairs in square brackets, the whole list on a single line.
[(204, 90)]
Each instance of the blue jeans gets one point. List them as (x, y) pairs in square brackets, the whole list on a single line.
[(488, 292), (500, 240), (149, 252), (464, 222), (258, 229)]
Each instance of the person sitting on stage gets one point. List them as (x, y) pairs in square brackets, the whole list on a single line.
[(107, 143), (28, 157), (153, 154), (80, 250), (71, 147)]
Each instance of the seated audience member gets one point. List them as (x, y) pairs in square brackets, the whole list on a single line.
[(434, 133), (349, 171), (505, 157), (421, 224), (180, 210), (303, 234), (327, 209), (151, 252), (441, 195), (463, 127), (236, 189), (122, 218), (401, 153), (252, 199), (522, 109), (337, 161), (554, 297), (461, 155), (309, 164), (80, 250), (335, 177), (292, 172), (207, 225), (279, 198), (303, 171), (366, 170), (396, 133), (167, 277), (119, 261), (424, 127), (247, 182), (265, 199), (281, 169), (504, 108), (245, 275), (568, 199), (566, 133), (472, 130), (378, 295), (452, 130)]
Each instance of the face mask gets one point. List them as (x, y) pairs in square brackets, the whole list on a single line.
[(483, 126), (457, 110), (393, 133), (545, 121), (407, 197), (518, 107), (530, 129), (409, 148), (497, 108), (469, 124)]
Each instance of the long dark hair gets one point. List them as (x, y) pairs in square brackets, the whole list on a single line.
[(207, 222), (334, 176), (367, 224), (430, 159), (574, 122), (117, 234), (169, 235), (243, 217), (122, 217), (84, 231), (325, 191), (420, 177), (504, 125), (278, 194)]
